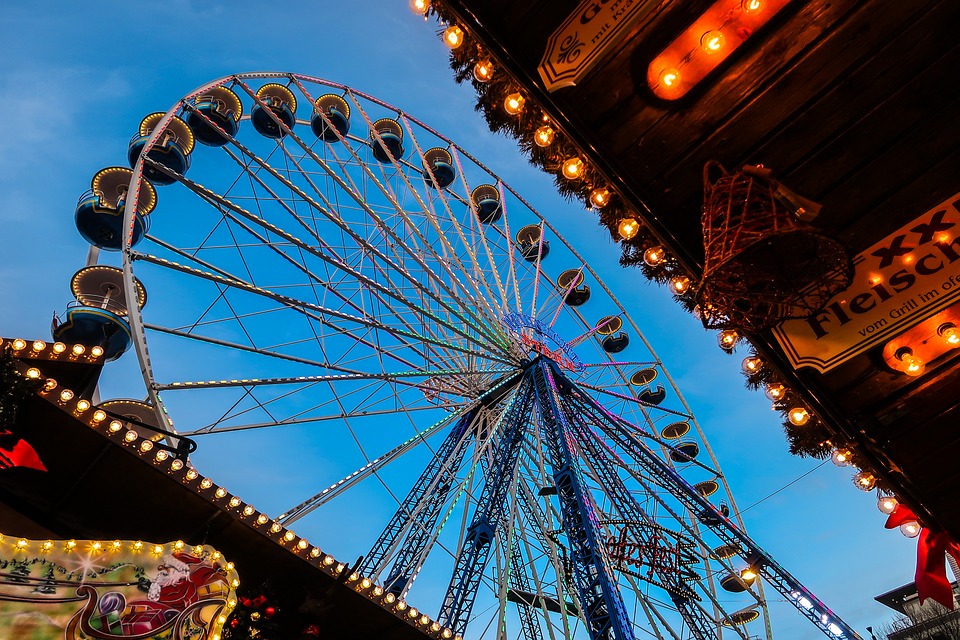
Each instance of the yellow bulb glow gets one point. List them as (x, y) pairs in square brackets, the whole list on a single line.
[(262, 519), (453, 36), (97, 546), (628, 228), (191, 474), (600, 197), (96, 352), (483, 71), (913, 365), (865, 480), (157, 550), (276, 527), (748, 575), (78, 350), (543, 137), (329, 560), (419, 7), (887, 504), (654, 256), (775, 391), (39, 345), (841, 457), (50, 384), (59, 347), (71, 544), (389, 598), (33, 373), (752, 6), (146, 445), (798, 416), (949, 333), (572, 168), (176, 465), (48, 545), (115, 425), (728, 339), (220, 492), (82, 405), (680, 284), (19, 344), (206, 483), (234, 501), (289, 536), (910, 529), (513, 103), (99, 415), (66, 395), (670, 78), (365, 583), (712, 41), (137, 545), (130, 436), (161, 455), (303, 544), (22, 543), (752, 364), (248, 510)]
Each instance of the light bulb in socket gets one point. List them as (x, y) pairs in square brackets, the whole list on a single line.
[(887, 504), (483, 70), (513, 103), (798, 416), (543, 137), (654, 256), (572, 168), (628, 228), (453, 36)]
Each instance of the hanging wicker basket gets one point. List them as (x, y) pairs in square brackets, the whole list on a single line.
[(763, 264)]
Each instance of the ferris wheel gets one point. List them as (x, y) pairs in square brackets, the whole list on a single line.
[(341, 295)]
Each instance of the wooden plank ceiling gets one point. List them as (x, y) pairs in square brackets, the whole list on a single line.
[(852, 104)]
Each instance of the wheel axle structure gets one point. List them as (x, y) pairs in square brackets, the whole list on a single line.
[(342, 297)]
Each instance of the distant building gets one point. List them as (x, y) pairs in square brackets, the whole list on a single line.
[(930, 621)]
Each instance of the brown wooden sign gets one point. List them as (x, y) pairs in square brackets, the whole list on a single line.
[(905, 278), (580, 42)]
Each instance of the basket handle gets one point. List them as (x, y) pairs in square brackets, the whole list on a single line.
[(712, 172)]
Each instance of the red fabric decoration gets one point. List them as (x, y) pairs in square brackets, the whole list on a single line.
[(22, 455), (932, 549)]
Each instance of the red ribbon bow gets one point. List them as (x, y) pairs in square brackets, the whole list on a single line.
[(932, 549)]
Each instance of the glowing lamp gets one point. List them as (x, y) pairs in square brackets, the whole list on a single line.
[(798, 416), (146, 445), (752, 364), (775, 391), (39, 345), (864, 480), (543, 137), (841, 457), (949, 333), (78, 349), (130, 436), (206, 483), (220, 492), (96, 352), (66, 395), (19, 344), (910, 529), (912, 365), (453, 36), (728, 339), (680, 285), (748, 575), (752, 6), (99, 415), (628, 228), (572, 168), (712, 41), (654, 256), (419, 7), (59, 347), (82, 405), (33, 373), (483, 71), (513, 104), (600, 197), (887, 504)]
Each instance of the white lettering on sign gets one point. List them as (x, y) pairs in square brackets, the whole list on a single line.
[(587, 33), (902, 280)]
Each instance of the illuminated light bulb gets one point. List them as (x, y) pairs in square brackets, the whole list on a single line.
[(315, 552), (262, 519), (236, 583), (157, 550), (727, 339), (435, 627), (748, 575), (22, 543), (234, 501), (712, 41), (483, 71), (419, 7), (453, 36), (146, 445), (654, 256), (775, 391), (378, 591), (950, 334), (628, 228), (752, 364), (39, 345), (66, 395), (289, 536), (78, 350), (752, 6), (798, 416), (303, 544), (841, 457), (276, 527), (887, 504), (513, 103), (48, 545), (600, 197), (865, 480), (389, 598), (248, 510), (913, 365), (161, 455), (447, 633), (96, 352), (424, 619), (192, 474), (401, 605), (670, 78), (206, 483), (365, 583), (910, 529), (33, 373), (130, 435), (543, 137), (329, 560), (340, 567), (19, 344), (96, 546), (71, 544), (680, 284), (50, 384), (176, 465), (572, 168), (116, 544), (59, 347), (413, 613), (137, 545), (99, 415), (220, 492)]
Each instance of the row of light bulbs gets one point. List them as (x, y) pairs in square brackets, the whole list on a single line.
[(913, 365), (19, 346), (96, 419), (514, 103)]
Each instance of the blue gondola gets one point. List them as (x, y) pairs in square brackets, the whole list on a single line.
[(337, 113), (278, 102), (440, 163), (571, 283), (172, 149), (390, 142), (92, 326), (531, 243), (99, 213), (614, 340), (223, 109), (486, 200)]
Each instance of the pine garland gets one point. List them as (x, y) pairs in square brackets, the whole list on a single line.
[(14, 389)]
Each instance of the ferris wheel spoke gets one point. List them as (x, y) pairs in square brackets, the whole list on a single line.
[(633, 399)]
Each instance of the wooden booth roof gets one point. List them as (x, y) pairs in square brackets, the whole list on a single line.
[(851, 104)]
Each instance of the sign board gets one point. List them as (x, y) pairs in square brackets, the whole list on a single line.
[(905, 278), (583, 38), (83, 589)]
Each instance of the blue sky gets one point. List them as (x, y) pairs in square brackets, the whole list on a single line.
[(78, 79)]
